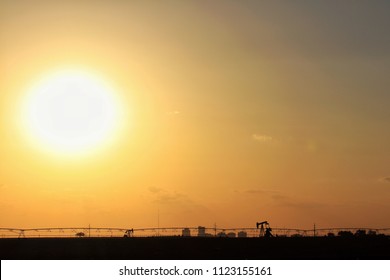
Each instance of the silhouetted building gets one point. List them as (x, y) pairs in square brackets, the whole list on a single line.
[(231, 234), (201, 231), (186, 232), (242, 234), (221, 234)]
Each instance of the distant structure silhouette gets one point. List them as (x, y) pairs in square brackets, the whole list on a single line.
[(186, 232), (201, 231), (265, 229), (262, 229), (21, 234), (268, 232), (221, 234), (345, 233), (129, 233)]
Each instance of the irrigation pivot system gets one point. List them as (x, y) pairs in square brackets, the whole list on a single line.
[(178, 231)]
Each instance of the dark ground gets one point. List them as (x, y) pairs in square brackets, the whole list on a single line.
[(302, 248)]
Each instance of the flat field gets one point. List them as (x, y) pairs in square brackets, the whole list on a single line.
[(300, 248)]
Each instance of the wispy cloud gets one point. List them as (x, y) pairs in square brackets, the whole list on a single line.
[(260, 191), (280, 199), (161, 195), (262, 138), (303, 205), (310, 145), (155, 189), (385, 180), (175, 201), (255, 191), (164, 196), (172, 198)]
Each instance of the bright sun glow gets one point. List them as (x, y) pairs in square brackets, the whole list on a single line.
[(71, 112)]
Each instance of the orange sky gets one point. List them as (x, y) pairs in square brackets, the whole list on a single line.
[(234, 112)]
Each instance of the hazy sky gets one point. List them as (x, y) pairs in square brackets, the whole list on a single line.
[(236, 112)]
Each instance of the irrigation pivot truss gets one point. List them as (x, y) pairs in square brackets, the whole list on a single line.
[(174, 231)]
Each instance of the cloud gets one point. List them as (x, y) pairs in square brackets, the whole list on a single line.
[(290, 202), (177, 202), (161, 195), (155, 189), (385, 180), (278, 197), (172, 198), (310, 145), (303, 205), (260, 191), (255, 191), (262, 138), (283, 200)]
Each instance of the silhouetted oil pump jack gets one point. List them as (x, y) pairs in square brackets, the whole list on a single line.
[(129, 233), (264, 226)]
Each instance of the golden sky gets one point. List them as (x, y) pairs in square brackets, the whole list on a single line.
[(231, 112)]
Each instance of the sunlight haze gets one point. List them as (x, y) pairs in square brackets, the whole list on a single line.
[(226, 112)]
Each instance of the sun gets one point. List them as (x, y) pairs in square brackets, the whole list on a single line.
[(71, 112)]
